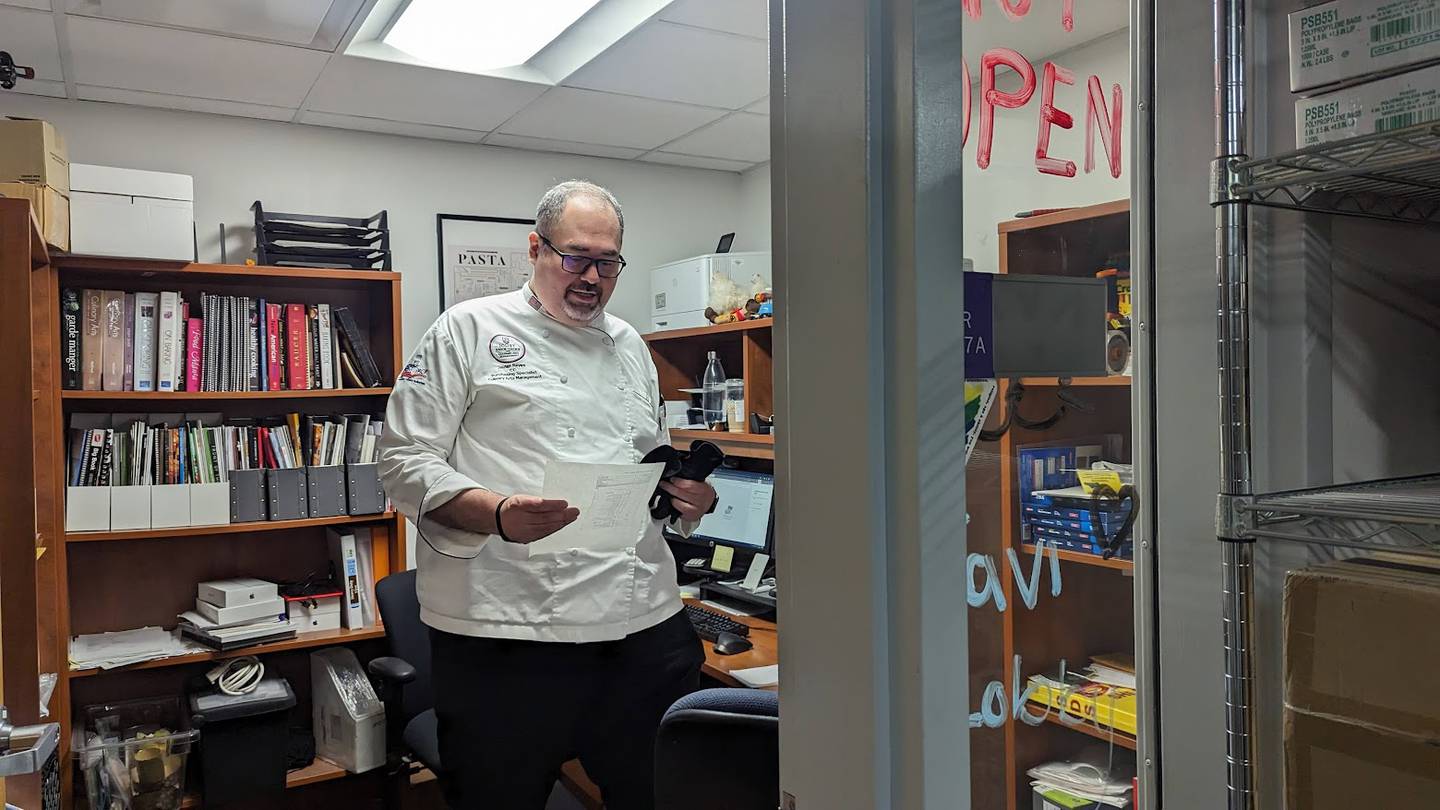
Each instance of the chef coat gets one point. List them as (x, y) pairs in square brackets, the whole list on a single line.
[(496, 389)]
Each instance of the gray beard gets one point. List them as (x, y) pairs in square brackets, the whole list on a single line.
[(578, 313)]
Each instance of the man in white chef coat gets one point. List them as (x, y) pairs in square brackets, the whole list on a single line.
[(575, 653)]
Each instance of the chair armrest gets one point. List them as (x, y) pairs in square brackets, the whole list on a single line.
[(391, 670)]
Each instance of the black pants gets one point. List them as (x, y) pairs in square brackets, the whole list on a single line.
[(512, 712)]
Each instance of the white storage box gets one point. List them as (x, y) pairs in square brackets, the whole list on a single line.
[(209, 504), (169, 506), (680, 291), (125, 212), (309, 614), (87, 509), (1383, 105), (349, 720), (129, 508), (241, 613), (1346, 40), (237, 591)]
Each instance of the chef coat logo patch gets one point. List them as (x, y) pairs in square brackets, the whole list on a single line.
[(415, 373), (506, 349)]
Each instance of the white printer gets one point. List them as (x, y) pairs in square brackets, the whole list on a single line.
[(680, 291)]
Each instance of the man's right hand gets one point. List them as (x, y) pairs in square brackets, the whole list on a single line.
[(526, 518)]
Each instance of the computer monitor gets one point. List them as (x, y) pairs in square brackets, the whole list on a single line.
[(743, 516)]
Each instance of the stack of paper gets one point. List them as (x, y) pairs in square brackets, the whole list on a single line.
[(118, 649), (758, 677), (1113, 670), (1081, 780)]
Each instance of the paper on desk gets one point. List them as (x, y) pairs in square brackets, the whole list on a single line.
[(110, 650), (758, 677), (614, 504)]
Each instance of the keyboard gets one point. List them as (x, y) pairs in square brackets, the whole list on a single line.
[(710, 623)]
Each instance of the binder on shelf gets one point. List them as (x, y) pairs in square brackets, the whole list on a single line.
[(209, 504), (248, 500), (169, 506), (286, 490), (87, 509), (326, 490), (364, 494), (129, 508)]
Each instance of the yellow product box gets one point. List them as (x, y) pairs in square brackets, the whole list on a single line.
[(51, 207), (1093, 703)]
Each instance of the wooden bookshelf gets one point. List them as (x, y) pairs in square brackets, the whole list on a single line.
[(159, 399), (1089, 729), (746, 351), (1094, 613), (304, 641), (226, 528), (91, 582)]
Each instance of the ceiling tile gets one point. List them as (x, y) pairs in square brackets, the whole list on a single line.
[(697, 162), (565, 113), (30, 38), (742, 136), (564, 147), (356, 86), (39, 87), (383, 126), (184, 63), (748, 17), (762, 106), (676, 63), (43, 5), (204, 105)]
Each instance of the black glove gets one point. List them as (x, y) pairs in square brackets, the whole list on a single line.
[(694, 464)]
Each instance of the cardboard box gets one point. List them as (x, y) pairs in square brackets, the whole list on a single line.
[(1383, 105), (1362, 714), (51, 208), (33, 152), (237, 591), (1348, 40), (244, 612), (125, 212)]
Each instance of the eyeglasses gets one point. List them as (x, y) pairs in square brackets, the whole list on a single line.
[(577, 265)]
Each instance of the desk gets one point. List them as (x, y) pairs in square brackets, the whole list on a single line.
[(765, 637)]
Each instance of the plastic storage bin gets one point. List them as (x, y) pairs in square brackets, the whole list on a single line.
[(242, 759), (133, 754)]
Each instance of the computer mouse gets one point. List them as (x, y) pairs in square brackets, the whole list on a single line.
[(729, 644)]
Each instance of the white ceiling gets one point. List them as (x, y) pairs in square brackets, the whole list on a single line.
[(686, 87)]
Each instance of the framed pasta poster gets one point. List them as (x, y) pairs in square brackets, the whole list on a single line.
[(481, 256)]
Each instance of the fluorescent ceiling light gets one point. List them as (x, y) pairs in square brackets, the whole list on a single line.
[(475, 36)]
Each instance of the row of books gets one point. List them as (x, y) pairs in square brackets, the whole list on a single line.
[(205, 452), (113, 340)]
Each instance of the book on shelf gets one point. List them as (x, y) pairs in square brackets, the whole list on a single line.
[(1086, 700), (113, 340), (204, 448)]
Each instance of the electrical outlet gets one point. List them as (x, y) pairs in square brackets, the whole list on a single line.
[(787, 801)]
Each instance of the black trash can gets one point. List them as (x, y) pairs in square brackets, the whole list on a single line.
[(243, 744)]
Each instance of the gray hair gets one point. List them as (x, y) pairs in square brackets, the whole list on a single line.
[(552, 205)]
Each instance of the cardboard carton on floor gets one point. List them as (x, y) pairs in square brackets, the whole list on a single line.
[(33, 152), (52, 209), (1362, 710)]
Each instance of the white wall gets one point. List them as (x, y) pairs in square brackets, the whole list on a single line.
[(1011, 183), (754, 208), (671, 213)]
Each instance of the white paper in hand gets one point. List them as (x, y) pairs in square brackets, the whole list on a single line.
[(614, 504)]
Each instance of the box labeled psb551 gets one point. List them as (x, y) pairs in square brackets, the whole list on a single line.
[(1345, 40), (1383, 105)]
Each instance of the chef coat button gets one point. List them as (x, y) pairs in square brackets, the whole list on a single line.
[(570, 433), (564, 379), (574, 552), (544, 333)]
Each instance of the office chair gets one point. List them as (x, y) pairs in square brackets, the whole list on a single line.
[(402, 680), (719, 749)]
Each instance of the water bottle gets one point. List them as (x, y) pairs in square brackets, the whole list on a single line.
[(713, 400)]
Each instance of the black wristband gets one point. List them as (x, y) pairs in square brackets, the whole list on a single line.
[(499, 529)]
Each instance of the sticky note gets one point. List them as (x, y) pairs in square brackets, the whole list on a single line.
[(724, 556), (1094, 479)]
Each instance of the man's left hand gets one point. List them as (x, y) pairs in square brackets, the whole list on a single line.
[(692, 499)]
